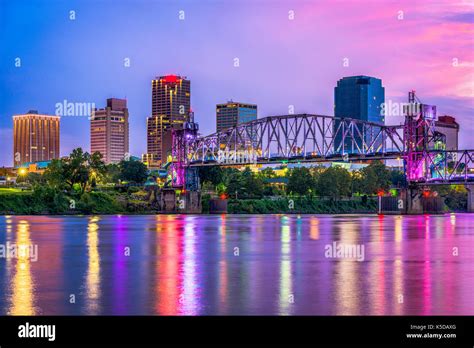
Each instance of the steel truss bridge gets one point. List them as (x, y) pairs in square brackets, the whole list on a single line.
[(319, 138), (302, 137)]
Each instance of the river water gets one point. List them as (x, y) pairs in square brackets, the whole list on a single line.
[(237, 265)]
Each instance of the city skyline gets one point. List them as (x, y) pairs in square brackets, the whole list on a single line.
[(249, 65)]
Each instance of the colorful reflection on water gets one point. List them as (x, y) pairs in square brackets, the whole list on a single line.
[(22, 297), (248, 265)]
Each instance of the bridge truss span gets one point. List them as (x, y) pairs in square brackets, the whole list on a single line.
[(302, 137), (441, 166)]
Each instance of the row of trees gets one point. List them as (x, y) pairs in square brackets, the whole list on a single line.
[(81, 171), (335, 181), (232, 181)]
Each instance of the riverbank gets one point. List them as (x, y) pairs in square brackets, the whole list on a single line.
[(47, 201), (302, 205)]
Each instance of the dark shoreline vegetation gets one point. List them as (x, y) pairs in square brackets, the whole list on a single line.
[(302, 206), (83, 184), (46, 201)]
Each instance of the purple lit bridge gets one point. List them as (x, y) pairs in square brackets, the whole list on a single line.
[(319, 138)]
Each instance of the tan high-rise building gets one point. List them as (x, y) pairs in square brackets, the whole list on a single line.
[(109, 130), (35, 138), (171, 106)]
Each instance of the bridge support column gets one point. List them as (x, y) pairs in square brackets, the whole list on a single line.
[(414, 200), (470, 198)]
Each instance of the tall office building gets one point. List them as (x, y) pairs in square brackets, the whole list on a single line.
[(359, 97), (232, 113), (110, 130), (35, 137), (171, 107)]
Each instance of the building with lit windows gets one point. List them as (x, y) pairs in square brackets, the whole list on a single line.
[(232, 113), (110, 130), (171, 106), (35, 137)]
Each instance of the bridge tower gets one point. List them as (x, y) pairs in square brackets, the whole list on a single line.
[(419, 135), (183, 176), (183, 196)]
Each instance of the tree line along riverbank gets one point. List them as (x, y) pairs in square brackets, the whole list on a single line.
[(83, 184)]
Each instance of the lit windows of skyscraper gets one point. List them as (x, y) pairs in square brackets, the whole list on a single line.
[(35, 137), (110, 130), (232, 113), (171, 106)]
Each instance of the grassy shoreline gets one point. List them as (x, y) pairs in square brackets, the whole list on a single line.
[(46, 201), (50, 202)]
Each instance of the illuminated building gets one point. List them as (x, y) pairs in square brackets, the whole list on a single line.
[(232, 113), (171, 106), (35, 137), (448, 126), (32, 167), (109, 130)]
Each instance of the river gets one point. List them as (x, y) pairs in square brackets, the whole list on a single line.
[(237, 265)]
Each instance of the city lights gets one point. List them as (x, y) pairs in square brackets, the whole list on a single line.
[(236, 170)]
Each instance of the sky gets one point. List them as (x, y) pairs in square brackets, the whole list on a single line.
[(290, 54)]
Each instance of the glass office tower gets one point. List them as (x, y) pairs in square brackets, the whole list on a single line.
[(358, 97)]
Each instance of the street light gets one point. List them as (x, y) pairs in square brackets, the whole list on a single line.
[(22, 171)]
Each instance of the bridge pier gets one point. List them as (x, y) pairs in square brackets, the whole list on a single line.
[(414, 200), (470, 198), (188, 202)]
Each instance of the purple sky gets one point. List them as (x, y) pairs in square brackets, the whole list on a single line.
[(283, 62)]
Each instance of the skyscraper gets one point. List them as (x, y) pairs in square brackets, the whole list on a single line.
[(358, 97), (171, 106), (110, 130), (35, 137), (232, 113)]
